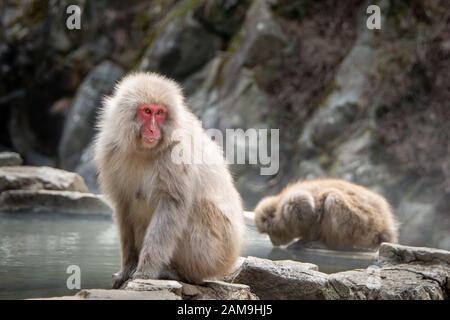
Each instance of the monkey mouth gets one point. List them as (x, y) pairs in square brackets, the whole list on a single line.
[(149, 142)]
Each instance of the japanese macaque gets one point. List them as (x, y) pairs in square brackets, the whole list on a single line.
[(176, 220), (332, 212)]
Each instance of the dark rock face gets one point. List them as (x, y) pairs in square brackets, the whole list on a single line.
[(182, 48), (366, 106), (79, 127), (224, 17)]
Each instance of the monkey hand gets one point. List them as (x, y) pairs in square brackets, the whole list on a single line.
[(119, 278)]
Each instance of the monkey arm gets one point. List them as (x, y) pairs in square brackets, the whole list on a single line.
[(162, 235)]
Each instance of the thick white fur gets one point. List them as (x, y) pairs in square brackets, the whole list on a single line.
[(176, 220)]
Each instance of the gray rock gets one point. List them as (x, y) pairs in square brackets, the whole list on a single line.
[(88, 170), (332, 123), (402, 282), (10, 159), (37, 178), (69, 202), (222, 16), (399, 254), (354, 162), (212, 289), (141, 289), (24, 139), (261, 38), (79, 126), (154, 285), (181, 48), (101, 294), (295, 280), (283, 279), (308, 169), (219, 290)]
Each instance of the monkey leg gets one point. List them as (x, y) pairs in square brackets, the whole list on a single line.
[(169, 273), (209, 248), (341, 224), (119, 278)]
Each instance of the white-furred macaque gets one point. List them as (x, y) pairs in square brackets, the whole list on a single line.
[(333, 212), (176, 220)]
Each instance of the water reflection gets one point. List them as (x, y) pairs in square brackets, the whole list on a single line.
[(329, 261), (36, 249)]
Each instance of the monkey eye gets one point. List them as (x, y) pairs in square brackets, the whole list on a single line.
[(147, 111), (159, 112)]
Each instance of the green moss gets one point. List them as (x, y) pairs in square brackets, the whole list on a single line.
[(323, 159), (148, 39), (234, 43), (143, 20), (333, 168), (179, 11), (182, 8)]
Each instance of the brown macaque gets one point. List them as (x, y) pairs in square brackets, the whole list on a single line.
[(177, 220), (332, 212)]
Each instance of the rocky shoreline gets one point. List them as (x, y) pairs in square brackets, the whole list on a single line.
[(401, 273)]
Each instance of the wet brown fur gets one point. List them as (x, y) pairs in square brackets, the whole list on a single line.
[(337, 213)]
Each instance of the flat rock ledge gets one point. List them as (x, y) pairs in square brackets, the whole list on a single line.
[(39, 178), (10, 159), (142, 289), (401, 273), (65, 202), (45, 189)]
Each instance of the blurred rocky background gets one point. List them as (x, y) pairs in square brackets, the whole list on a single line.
[(369, 106)]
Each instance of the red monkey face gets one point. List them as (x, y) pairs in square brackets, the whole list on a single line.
[(151, 117)]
